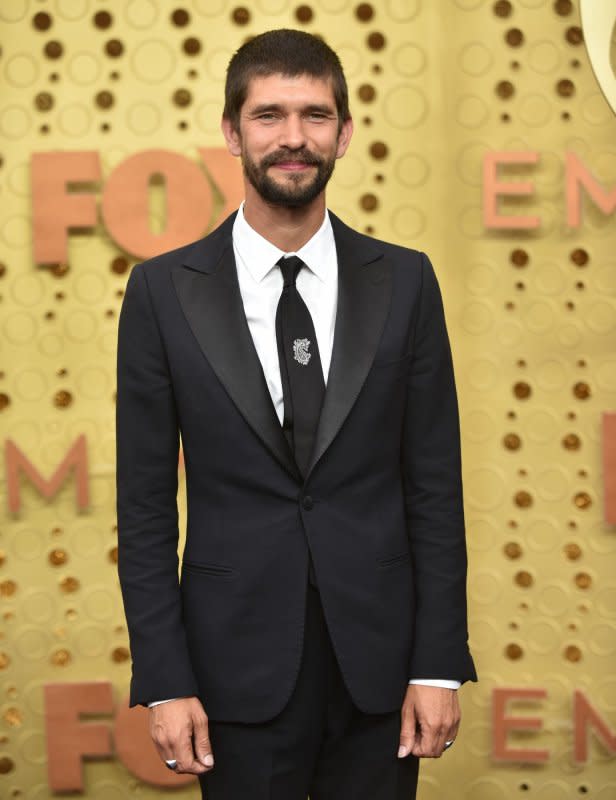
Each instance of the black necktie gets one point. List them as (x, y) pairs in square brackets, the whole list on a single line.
[(303, 386)]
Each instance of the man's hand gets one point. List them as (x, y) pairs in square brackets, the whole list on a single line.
[(179, 729), (430, 717)]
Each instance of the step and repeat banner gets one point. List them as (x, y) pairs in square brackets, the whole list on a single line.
[(486, 136)]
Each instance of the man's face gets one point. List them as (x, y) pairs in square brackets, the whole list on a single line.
[(288, 138)]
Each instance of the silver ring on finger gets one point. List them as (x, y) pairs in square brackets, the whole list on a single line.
[(171, 763), (448, 744)]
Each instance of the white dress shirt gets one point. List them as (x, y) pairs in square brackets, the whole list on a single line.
[(260, 280)]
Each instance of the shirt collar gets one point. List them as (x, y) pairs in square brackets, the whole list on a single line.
[(260, 255)]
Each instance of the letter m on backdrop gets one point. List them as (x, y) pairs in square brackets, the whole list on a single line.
[(17, 462)]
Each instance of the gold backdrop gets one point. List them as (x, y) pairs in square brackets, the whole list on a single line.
[(435, 86)]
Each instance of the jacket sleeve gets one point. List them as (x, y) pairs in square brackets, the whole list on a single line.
[(147, 439), (431, 469)]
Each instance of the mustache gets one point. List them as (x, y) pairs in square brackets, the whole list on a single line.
[(297, 157)]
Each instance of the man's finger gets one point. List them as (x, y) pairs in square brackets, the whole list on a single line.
[(185, 757), (201, 741), (407, 730), (427, 741)]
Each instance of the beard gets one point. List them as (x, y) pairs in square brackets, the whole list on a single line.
[(297, 190)]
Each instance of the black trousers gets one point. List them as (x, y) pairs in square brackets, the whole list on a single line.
[(320, 745)]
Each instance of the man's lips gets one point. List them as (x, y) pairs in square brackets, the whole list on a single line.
[(292, 166)]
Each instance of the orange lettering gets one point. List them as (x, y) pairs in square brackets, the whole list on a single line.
[(493, 188), (55, 210), (125, 204), (578, 175), (17, 461), (502, 724), (585, 717), (68, 739)]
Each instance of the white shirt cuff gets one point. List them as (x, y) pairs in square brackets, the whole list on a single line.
[(443, 684), (158, 702)]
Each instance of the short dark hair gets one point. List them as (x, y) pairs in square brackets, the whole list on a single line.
[(284, 51)]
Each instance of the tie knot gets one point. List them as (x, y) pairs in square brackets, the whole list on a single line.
[(290, 267)]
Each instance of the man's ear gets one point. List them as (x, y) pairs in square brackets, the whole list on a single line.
[(232, 137), (344, 138)]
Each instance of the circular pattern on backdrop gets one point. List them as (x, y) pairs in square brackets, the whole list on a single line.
[(477, 317), (72, 9), (14, 11), (84, 68), (544, 57), (91, 640), (15, 121), (555, 598), (93, 381), (478, 425), (15, 231), (402, 10), (31, 642), (38, 607), (20, 327), (27, 290), (486, 587), (408, 222), (141, 14), (483, 374), (21, 70), (487, 487), (209, 8), (542, 425), (80, 325), (548, 278), (75, 120), (89, 287), (50, 344), (33, 748), (553, 483), (27, 544), (471, 111), (544, 636), (412, 169), (482, 534), (335, 6), (481, 279), (350, 171), (535, 110), (475, 59), (404, 106), (98, 603), (409, 60), (153, 61), (18, 179), (30, 384)]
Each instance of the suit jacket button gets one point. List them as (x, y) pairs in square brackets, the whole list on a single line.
[(307, 502)]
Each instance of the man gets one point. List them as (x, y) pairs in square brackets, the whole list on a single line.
[(318, 634)]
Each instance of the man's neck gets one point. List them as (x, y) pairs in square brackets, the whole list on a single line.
[(286, 228)]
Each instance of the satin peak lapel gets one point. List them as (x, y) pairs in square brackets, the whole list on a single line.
[(208, 291), (364, 296)]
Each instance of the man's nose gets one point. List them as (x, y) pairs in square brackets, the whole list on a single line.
[(292, 134)]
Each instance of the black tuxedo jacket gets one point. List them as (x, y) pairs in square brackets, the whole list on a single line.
[(380, 507)]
